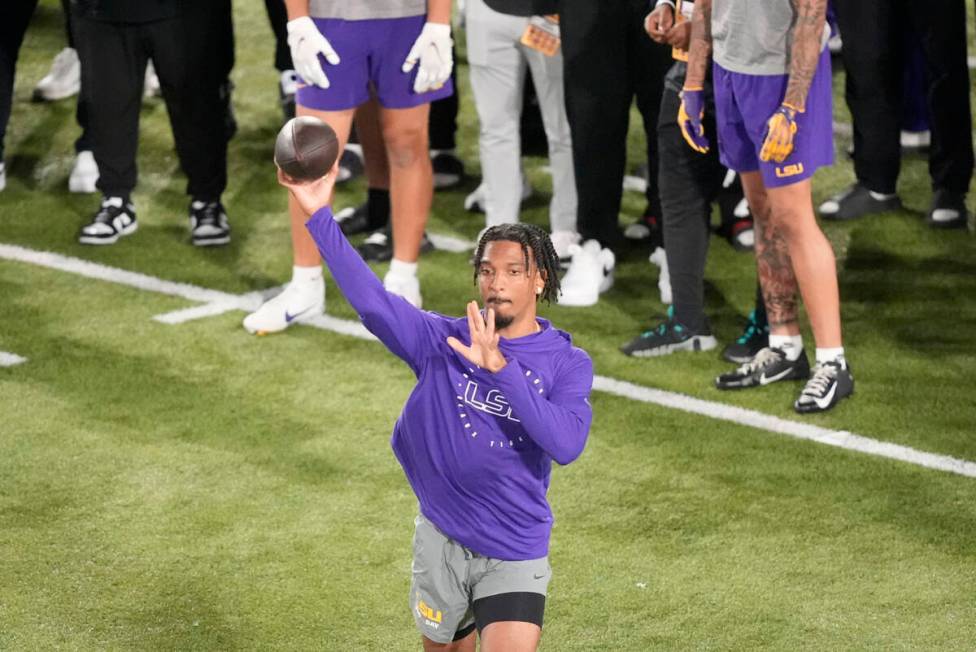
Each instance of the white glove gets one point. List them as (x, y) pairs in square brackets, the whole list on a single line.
[(307, 43), (433, 49)]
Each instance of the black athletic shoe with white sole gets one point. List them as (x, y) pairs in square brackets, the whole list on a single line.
[(754, 338), (378, 247), (208, 224), (768, 366), (830, 382), (115, 218), (668, 337)]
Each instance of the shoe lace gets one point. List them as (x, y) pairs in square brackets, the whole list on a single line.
[(762, 359), (209, 214), (824, 373)]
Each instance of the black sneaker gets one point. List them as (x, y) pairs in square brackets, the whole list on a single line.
[(668, 337), (948, 210), (354, 219), (378, 247), (287, 87), (647, 227), (208, 224), (830, 382), (740, 233), (857, 201), (769, 366), (448, 169), (350, 165), (754, 338), (115, 218)]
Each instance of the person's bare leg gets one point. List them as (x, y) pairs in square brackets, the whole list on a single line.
[(306, 254), (371, 140), (773, 266), (411, 177), (812, 257), (466, 644), (510, 636)]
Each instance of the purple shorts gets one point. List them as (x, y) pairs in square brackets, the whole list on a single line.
[(371, 54), (743, 105)]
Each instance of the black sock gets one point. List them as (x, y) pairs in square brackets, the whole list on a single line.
[(378, 207)]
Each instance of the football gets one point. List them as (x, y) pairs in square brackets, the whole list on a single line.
[(306, 148)]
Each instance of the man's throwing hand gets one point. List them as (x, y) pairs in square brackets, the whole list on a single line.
[(484, 340), (310, 195)]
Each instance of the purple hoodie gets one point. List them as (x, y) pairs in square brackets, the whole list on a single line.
[(476, 446)]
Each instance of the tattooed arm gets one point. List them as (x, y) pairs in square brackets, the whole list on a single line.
[(807, 35), (700, 50)]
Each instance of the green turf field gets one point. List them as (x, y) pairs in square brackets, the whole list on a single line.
[(190, 486)]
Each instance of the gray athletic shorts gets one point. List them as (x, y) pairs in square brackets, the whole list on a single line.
[(449, 579)]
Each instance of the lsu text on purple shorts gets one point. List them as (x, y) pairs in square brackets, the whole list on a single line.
[(743, 105)]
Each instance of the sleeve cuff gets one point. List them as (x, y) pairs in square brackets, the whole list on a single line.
[(669, 3)]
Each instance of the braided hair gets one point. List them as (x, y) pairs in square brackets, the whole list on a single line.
[(531, 238)]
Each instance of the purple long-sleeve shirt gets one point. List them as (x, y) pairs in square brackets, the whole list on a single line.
[(476, 446)]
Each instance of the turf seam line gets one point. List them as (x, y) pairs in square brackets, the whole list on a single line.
[(215, 302)]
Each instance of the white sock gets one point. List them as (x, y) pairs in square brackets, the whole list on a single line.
[(791, 345), (306, 275), (402, 268), (834, 353)]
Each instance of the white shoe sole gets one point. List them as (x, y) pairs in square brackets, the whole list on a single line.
[(696, 343), (96, 240)]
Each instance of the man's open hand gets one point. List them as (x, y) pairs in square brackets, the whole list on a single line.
[(484, 340)]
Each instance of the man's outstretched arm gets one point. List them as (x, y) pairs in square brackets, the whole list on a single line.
[(401, 327)]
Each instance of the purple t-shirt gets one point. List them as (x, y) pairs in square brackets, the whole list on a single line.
[(476, 446)]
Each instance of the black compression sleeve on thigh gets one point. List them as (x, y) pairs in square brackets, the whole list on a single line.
[(525, 607), (463, 632)]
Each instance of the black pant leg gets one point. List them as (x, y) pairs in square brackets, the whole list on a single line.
[(278, 17), (442, 121), (598, 94), (113, 66), (941, 25), (689, 182), (873, 62), (648, 64), (14, 18), (190, 59)]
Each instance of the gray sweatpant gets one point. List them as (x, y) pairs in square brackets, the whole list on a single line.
[(498, 62)]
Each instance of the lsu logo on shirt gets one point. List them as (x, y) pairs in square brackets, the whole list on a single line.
[(789, 170), (431, 617), (493, 403)]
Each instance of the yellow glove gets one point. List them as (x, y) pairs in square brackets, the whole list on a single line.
[(780, 130)]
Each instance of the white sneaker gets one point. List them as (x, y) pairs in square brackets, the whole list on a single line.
[(659, 258), (562, 241), (475, 202), (150, 87), (296, 303), (590, 274), (84, 173), (63, 80), (405, 286)]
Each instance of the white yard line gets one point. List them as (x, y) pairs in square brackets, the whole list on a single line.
[(10, 359), (215, 302)]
